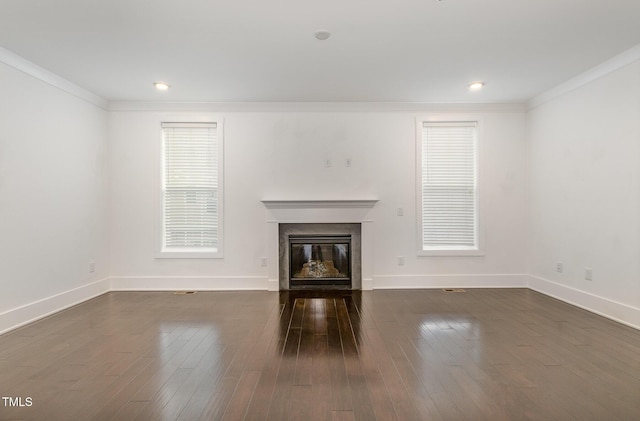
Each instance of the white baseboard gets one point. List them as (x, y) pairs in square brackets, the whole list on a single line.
[(195, 283), (20, 316), (273, 284), (449, 281), (367, 284), (605, 307)]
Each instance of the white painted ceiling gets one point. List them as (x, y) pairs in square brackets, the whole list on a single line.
[(264, 50)]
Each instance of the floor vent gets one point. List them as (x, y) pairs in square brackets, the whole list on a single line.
[(453, 290), (184, 292)]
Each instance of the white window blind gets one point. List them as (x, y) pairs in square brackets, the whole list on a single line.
[(449, 193), (190, 187)]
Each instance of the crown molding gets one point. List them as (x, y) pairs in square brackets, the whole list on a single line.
[(621, 60), (19, 63), (414, 107)]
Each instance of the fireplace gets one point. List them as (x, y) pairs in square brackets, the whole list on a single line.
[(319, 217), (319, 260), (320, 256)]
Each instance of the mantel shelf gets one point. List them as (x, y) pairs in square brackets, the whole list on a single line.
[(324, 204)]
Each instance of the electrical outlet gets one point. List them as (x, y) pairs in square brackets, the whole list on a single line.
[(347, 162), (263, 261), (327, 163), (400, 260), (559, 267), (92, 267), (588, 274), (400, 212)]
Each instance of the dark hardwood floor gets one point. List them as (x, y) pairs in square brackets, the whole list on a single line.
[(500, 354)]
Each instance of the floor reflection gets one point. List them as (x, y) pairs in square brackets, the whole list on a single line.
[(315, 321)]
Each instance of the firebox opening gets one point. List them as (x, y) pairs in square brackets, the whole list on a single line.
[(319, 260)]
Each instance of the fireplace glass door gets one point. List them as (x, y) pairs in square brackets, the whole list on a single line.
[(319, 260)]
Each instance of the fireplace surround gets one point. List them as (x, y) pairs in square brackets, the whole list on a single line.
[(281, 212), (320, 256)]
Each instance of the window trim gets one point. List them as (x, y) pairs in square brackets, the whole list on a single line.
[(160, 253), (446, 251)]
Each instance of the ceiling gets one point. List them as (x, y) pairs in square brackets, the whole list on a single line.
[(265, 50)]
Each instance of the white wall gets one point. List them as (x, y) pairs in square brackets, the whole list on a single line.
[(78, 184), (272, 154), (53, 198), (584, 150)]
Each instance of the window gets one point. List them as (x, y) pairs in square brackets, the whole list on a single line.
[(191, 190), (448, 180)]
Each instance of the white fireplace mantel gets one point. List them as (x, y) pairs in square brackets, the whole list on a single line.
[(319, 212), (306, 204)]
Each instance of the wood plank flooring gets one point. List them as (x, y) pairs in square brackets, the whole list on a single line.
[(499, 354)]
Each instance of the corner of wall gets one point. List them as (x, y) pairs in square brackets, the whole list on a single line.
[(627, 57), (19, 63)]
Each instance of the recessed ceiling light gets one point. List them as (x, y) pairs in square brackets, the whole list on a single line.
[(161, 86), (475, 86), (322, 35)]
